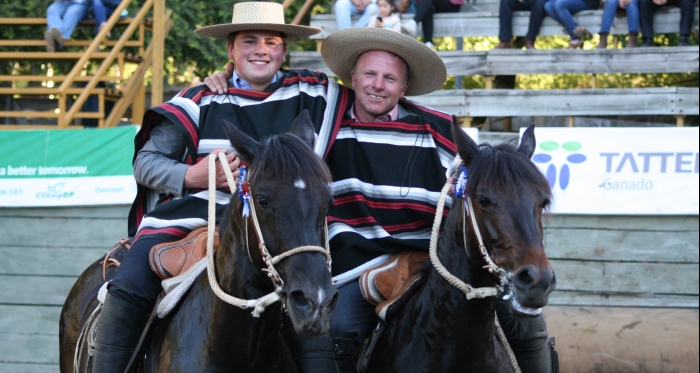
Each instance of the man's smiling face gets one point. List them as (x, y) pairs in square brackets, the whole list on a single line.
[(379, 80), (257, 56)]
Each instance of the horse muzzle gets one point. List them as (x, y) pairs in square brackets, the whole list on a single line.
[(311, 309), (529, 290)]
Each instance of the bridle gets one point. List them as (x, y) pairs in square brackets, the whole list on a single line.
[(258, 305), (470, 291)]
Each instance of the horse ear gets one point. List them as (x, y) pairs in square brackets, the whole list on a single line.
[(466, 147), (303, 128), (528, 144), (245, 146)]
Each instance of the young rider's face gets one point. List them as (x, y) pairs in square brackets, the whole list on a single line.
[(257, 56)]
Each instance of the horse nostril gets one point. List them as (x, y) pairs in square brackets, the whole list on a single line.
[(300, 301), (525, 276)]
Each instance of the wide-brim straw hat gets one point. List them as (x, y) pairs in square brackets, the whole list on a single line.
[(255, 15), (426, 71)]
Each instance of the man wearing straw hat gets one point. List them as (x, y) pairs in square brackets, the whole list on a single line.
[(387, 153), (170, 162)]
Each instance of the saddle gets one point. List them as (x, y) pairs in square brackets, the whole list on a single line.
[(389, 285), (173, 258)]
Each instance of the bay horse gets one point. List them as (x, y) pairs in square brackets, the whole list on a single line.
[(439, 329), (289, 194)]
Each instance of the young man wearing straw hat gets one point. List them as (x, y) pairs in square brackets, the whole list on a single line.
[(170, 161), (399, 151)]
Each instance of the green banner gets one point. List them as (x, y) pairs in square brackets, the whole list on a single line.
[(67, 153)]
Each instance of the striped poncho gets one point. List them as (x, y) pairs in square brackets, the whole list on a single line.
[(197, 113), (387, 179)]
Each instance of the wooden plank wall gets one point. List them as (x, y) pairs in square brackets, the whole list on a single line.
[(44, 251), (627, 296)]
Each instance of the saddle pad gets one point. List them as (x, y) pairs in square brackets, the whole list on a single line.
[(389, 285), (173, 258), (177, 286)]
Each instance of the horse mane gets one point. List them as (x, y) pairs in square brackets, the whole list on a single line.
[(502, 166), (288, 158)]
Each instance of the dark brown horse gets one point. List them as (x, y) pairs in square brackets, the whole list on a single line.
[(438, 329), (290, 194)]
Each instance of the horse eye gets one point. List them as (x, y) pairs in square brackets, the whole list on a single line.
[(546, 203), (483, 201), (262, 201)]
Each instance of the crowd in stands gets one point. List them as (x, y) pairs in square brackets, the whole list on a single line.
[(384, 13), (62, 16)]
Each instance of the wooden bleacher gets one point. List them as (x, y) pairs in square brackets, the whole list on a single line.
[(480, 18), (485, 23), (70, 91)]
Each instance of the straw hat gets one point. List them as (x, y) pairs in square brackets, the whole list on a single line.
[(255, 15), (426, 71)]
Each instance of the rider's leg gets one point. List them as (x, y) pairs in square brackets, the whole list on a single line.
[(312, 354), (352, 322), (533, 346), (131, 297)]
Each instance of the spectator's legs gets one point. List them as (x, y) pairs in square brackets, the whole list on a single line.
[(608, 16), (687, 15), (344, 9), (633, 16), (74, 14), (351, 323), (505, 17), (366, 15), (646, 20), (99, 10), (551, 11), (564, 10), (54, 15), (536, 17), (424, 14)]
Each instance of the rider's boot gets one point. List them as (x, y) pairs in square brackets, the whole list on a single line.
[(345, 355), (533, 347), (119, 329)]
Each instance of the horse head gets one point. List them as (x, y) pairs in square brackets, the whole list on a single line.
[(509, 197), (290, 195)]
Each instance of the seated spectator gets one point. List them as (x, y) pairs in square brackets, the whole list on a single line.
[(388, 16), (61, 18), (505, 21), (646, 13), (103, 9), (611, 7), (344, 9), (562, 11), (425, 9)]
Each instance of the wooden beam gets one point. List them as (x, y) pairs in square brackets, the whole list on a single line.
[(54, 56), (565, 102), (69, 43), (302, 12), (54, 78), (29, 21), (158, 52), (552, 61)]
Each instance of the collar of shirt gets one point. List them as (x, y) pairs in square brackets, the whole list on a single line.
[(391, 116), (239, 83)]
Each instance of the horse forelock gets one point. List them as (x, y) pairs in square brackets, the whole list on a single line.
[(503, 169), (288, 159)]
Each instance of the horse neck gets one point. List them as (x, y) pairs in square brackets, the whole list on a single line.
[(470, 317), (235, 329)]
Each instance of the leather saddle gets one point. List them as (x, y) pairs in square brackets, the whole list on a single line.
[(173, 258), (391, 284)]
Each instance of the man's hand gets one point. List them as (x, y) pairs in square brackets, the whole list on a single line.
[(197, 176), (451, 192), (660, 2), (217, 82), (623, 3)]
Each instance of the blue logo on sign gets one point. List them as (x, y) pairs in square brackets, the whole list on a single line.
[(564, 172)]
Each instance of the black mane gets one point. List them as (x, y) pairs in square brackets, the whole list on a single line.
[(500, 167), (287, 158)]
